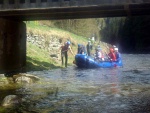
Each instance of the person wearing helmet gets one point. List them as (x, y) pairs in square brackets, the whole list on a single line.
[(89, 48), (118, 55), (112, 55), (64, 52), (99, 54), (81, 49), (68, 43)]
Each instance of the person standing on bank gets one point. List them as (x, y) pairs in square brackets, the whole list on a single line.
[(64, 52)]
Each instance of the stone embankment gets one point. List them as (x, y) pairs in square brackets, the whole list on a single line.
[(50, 43)]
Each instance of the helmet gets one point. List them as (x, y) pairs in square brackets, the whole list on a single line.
[(98, 49), (79, 45), (111, 50), (116, 49), (98, 46), (68, 43)]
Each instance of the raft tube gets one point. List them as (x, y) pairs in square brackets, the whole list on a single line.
[(84, 61)]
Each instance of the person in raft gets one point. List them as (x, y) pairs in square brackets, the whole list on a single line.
[(112, 55), (118, 55)]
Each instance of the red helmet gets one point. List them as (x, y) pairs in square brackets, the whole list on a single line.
[(111, 50)]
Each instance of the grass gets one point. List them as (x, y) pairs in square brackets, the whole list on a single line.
[(38, 59), (39, 29)]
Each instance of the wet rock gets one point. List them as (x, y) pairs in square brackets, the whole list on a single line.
[(11, 100), (25, 78), (10, 80)]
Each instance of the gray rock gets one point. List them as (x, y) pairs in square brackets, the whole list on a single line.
[(11, 100), (25, 78)]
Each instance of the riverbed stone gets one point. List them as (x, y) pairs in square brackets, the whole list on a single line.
[(11, 100), (25, 78)]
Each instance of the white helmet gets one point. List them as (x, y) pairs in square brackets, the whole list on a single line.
[(116, 49)]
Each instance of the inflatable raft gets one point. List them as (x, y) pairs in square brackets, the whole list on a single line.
[(84, 61)]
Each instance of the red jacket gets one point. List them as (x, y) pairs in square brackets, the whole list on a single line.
[(112, 56)]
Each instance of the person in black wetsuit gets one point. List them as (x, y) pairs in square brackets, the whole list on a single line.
[(89, 48), (81, 49)]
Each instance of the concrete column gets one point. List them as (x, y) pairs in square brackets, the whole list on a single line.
[(12, 46)]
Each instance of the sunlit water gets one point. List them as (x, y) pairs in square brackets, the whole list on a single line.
[(109, 90)]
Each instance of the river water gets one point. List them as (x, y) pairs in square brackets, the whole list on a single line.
[(102, 90)]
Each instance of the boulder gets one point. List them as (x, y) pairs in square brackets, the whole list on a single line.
[(11, 100), (25, 78)]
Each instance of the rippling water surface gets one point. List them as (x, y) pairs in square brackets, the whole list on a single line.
[(109, 90)]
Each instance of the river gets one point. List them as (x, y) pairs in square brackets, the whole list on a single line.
[(102, 90)]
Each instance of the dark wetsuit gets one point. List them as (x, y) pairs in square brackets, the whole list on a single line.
[(89, 48), (64, 50), (81, 49)]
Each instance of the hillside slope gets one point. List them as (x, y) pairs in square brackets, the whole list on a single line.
[(40, 58)]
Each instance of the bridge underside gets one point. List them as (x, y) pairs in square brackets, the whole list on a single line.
[(77, 12)]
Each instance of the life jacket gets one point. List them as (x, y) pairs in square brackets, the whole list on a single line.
[(118, 56), (102, 55), (64, 48), (112, 56), (99, 54)]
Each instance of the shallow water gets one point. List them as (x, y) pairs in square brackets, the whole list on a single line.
[(110, 90)]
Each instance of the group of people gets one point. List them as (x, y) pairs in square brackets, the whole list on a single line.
[(81, 50), (113, 55), (99, 55)]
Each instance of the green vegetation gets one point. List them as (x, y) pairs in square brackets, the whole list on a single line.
[(38, 59), (37, 28), (82, 27), (2, 110)]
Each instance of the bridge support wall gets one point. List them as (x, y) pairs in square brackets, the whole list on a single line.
[(12, 45)]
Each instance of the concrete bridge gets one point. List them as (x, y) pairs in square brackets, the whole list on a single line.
[(14, 12), (66, 9)]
